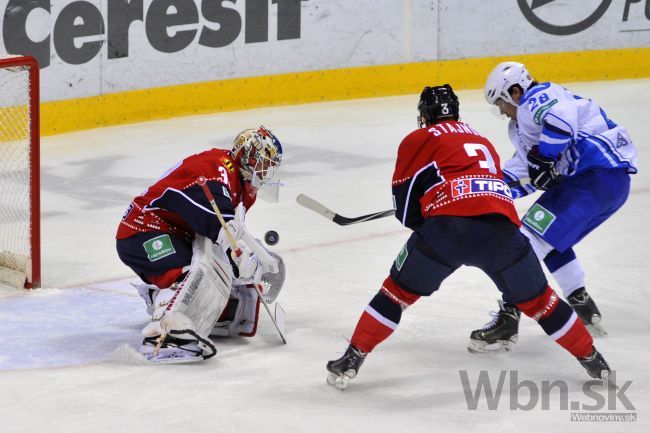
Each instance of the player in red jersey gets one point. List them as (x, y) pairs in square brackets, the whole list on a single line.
[(171, 238), (448, 188)]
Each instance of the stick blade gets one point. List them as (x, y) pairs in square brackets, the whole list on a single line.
[(344, 221), (310, 203)]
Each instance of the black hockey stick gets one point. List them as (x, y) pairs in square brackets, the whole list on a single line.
[(320, 209), (519, 182)]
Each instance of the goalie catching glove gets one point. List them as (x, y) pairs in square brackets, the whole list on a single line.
[(250, 266), (236, 226), (542, 170)]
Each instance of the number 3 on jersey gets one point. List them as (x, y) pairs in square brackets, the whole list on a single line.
[(488, 162), (224, 175)]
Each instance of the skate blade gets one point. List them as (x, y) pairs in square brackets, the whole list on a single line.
[(339, 382), (597, 330), (609, 379), (606, 377), (480, 347)]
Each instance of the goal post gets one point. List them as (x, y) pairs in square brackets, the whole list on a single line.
[(20, 234)]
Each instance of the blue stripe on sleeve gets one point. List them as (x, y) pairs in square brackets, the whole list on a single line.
[(554, 137)]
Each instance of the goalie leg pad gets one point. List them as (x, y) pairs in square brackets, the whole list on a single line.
[(204, 292), (243, 321), (243, 308), (177, 345), (185, 313)]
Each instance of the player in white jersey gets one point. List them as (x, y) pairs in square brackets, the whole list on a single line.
[(567, 147)]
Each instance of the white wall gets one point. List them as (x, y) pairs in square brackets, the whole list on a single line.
[(318, 34), (475, 28)]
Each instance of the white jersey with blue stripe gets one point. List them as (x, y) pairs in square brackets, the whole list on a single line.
[(565, 127)]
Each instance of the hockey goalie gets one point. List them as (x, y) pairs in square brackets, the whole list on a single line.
[(171, 237)]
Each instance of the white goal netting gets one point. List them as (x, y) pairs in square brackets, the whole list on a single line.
[(15, 175)]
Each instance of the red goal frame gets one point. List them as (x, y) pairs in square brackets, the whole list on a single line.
[(35, 162)]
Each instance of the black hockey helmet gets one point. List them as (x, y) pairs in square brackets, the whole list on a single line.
[(436, 104)]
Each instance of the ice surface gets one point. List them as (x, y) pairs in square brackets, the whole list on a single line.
[(65, 358)]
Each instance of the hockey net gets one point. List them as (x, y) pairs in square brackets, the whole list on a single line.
[(19, 172)]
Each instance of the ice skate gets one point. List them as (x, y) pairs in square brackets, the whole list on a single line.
[(148, 293), (345, 368), (500, 334), (596, 365), (586, 309)]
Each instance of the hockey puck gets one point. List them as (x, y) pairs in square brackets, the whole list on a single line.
[(271, 237)]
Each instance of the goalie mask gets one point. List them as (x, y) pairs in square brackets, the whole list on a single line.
[(258, 153), (437, 104)]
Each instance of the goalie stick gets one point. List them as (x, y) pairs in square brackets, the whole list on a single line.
[(202, 182), (321, 209)]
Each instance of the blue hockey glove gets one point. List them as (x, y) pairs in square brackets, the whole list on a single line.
[(543, 172)]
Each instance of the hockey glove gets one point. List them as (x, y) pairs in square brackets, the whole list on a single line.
[(249, 266), (543, 172), (236, 226)]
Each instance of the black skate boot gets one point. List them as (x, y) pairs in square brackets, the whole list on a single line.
[(345, 368), (587, 311), (596, 365), (500, 334)]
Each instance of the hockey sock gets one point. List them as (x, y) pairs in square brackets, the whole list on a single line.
[(381, 316), (167, 278), (566, 270), (559, 321)]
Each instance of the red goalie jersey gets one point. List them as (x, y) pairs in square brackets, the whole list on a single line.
[(448, 169), (176, 204)]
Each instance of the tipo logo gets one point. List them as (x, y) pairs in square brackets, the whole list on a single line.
[(592, 11), (79, 29)]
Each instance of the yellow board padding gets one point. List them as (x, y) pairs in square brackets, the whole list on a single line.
[(328, 85), (14, 124)]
